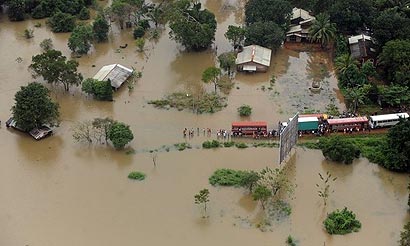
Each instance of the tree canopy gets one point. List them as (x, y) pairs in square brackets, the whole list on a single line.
[(120, 135), (34, 107), (192, 27), (62, 22), (236, 35), (80, 39), (211, 74), (267, 34), (398, 147), (322, 30), (100, 28), (395, 59), (101, 90), (54, 68), (277, 11), (339, 150)]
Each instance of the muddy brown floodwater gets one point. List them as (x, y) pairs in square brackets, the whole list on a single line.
[(58, 192)]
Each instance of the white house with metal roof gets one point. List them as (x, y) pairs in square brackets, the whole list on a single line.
[(300, 21), (115, 73), (253, 58)]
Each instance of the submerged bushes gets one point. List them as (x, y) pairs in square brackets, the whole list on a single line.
[(137, 175), (227, 177), (342, 222)]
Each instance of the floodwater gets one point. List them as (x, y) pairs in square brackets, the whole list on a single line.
[(58, 192)]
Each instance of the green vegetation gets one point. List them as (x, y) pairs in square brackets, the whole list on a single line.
[(80, 39), (138, 32), (211, 74), (84, 14), (229, 144), (262, 194), (405, 235), (202, 198), (245, 110), (235, 35), (62, 22), (266, 34), (341, 222), (397, 151), (28, 33), (206, 103), (324, 189), (182, 146), (227, 177), (322, 30), (101, 90), (192, 27), (137, 175), (54, 68), (46, 44), (249, 180), (339, 149), (100, 28), (241, 145), (34, 107), (140, 43), (211, 144), (227, 61), (120, 134), (290, 241)]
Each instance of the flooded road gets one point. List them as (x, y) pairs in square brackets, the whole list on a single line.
[(58, 192)]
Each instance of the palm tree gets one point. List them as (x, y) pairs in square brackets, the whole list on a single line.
[(357, 95), (322, 30), (343, 62)]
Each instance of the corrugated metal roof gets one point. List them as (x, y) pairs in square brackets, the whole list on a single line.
[(355, 39), (116, 73), (301, 13), (254, 53), (389, 116)]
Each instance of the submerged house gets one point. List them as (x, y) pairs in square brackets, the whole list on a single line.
[(299, 28), (361, 46), (253, 58), (115, 73)]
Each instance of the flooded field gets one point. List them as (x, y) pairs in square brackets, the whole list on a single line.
[(59, 192)]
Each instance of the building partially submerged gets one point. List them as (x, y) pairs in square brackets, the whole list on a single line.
[(37, 133), (115, 73), (300, 23), (361, 46), (253, 58)]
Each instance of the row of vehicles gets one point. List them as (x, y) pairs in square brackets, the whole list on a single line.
[(313, 123)]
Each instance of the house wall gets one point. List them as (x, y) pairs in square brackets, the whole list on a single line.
[(259, 67)]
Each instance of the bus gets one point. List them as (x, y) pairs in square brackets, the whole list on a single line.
[(355, 123), (250, 128), (386, 120)]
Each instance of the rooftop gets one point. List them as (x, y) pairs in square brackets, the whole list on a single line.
[(116, 73), (301, 13), (357, 38), (254, 53)]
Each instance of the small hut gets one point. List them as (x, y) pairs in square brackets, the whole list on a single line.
[(115, 73), (253, 58), (300, 23), (361, 46)]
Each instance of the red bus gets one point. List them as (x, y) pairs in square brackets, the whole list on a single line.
[(357, 123), (250, 128)]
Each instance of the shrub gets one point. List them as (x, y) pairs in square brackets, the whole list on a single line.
[(101, 90), (139, 32), (144, 24), (120, 134), (211, 144), (229, 144), (245, 110), (227, 177), (61, 22), (241, 145), (405, 235), (136, 175), (84, 14), (182, 146), (339, 149), (342, 222)]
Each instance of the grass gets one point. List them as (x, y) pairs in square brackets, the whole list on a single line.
[(137, 175)]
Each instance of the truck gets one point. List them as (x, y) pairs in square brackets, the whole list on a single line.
[(308, 123)]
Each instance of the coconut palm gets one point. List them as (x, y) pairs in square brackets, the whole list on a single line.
[(343, 62), (357, 96), (322, 30)]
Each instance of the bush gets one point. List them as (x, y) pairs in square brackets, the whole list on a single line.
[(342, 222), (84, 14), (245, 110), (211, 144), (144, 24), (61, 22), (182, 146), (120, 134), (229, 144), (137, 175), (139, 32), (339, 149), (241, 145), (227, 177), (405, 236), (101, 90)]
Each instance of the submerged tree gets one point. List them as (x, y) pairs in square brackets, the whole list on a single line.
[(120, 135), (211, 74), (54, 68), (235, 35), (202, 198), (262, 194), (227, 61), (324, 189), (34, 107), (80, 39), (100, 28)]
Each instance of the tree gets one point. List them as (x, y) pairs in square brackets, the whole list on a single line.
[(140, 43), (267, 34), (92, 131), (102, 126), (46, 44), (202, 198), (157, 14), (120, 134), (343, 62), (34, 107), (276, 11), (16, 9), (101, 90), (83, 132), (397, 151), (227, 61), (262, 194), (84, 14), (341, 222), (324, 188), (249, 180), (276, 180), (405, 235), (245, 110), (394, 95), (80, 39), (211, 74), (54, 68), (357, 95), (322, 30), (62, 22), (192, 27), (395, 61), (390, 25), (100, 28), (235, 35), (339, 149)]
